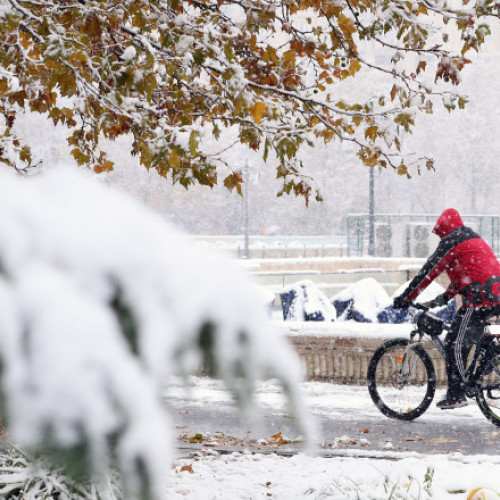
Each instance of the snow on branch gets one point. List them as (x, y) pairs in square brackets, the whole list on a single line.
[(100, 301), (179, 77)]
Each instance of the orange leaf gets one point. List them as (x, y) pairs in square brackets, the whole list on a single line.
[(257, 111)]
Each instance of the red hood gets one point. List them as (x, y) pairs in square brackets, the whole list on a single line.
[(448, 221)]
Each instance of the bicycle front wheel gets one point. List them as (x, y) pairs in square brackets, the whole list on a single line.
[(401, 381), (488, 398)]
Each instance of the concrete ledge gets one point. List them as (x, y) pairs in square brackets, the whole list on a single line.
[(340, 352)]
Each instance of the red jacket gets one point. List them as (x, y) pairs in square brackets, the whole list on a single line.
[(468, 261)]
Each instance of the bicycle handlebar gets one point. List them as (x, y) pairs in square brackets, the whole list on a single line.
[(416, 305)]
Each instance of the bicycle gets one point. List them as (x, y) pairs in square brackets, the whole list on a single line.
[(402, 377)]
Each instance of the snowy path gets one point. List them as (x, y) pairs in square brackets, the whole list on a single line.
[(432, 458), (346, 419)]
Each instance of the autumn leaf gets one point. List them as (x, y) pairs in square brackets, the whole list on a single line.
[(193, 142), (394, 91), (4, 86), (80, 157), (405, 120), (257, 111), (187, 468), (462, 101), (104, 165), (288, 59), (421, 66), (92, 27), (77, 59), (403, 170), (354, 66), (278, 439), (234, 181), (173, 159), (371, 132), (346, 24), (25, 154), (196, 438)]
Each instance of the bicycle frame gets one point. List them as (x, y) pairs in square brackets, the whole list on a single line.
[(480, 353)]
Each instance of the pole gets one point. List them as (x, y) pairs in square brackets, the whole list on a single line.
[(246, 252), (371, 204), (371, 214)]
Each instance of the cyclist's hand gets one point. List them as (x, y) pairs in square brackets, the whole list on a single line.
[(400, 303)]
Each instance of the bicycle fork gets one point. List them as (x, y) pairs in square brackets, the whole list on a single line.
[(409, 361)]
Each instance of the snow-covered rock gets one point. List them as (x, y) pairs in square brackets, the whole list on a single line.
[(304, 301), (361, 301), (364, 302)]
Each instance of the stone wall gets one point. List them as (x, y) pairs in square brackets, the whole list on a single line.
[(345, 360)]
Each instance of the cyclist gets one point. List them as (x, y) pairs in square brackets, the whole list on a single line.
[(474, 273)]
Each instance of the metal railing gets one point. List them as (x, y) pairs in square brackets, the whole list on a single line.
[(394, 233)]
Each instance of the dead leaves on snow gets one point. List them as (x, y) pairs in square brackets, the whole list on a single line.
[(222, 440), (187, 468)]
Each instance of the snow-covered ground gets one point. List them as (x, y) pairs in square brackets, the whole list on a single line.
[(361, 474), (241, 476)]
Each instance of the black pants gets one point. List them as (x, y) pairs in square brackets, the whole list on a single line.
[(466, 330)]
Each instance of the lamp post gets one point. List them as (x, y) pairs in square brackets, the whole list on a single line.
[(246, 219), (371, 213), (371, 203)]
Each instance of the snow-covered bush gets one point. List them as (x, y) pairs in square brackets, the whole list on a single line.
[(304, 301), (365, 301), (361, 301), (24, 477), (100, 301), (391, 315)]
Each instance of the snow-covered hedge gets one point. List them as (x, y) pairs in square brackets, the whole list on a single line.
[(365, 302), (100, 301), (361, 301), (305, 302)]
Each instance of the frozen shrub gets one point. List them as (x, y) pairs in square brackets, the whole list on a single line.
[(100, 301), (361, 301), (303, 301)]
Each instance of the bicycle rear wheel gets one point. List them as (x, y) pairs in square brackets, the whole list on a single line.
[(488, 399), (401, 385)]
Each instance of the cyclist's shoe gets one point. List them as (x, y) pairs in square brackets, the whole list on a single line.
[(449, 403)]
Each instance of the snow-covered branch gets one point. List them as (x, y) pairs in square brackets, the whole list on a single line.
[(161, 72), (100, 302)]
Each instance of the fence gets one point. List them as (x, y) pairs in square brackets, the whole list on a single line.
[(409, 235), (277, 247)]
